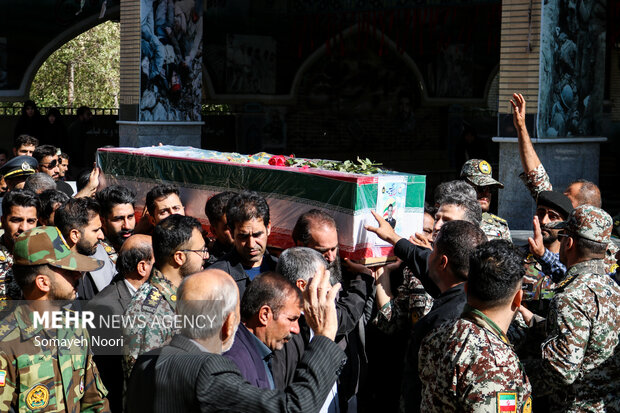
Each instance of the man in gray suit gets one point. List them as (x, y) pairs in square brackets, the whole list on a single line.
[(133, 264), (191, 375)]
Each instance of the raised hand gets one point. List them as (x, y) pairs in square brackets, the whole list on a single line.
[(320, 305), (518, 110), (384, 230)]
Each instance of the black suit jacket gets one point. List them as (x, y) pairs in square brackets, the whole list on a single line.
[(112, 300), (350, 308), (181, 378), (448, 306), (115, 298), (231, 263)]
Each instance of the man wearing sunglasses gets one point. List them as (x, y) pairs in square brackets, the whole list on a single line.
[(542, 263), (580, 362), (47, 157)]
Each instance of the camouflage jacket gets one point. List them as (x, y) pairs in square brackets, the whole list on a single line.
[(469, 365), (410, 304), (151, 307), (538, 287), (610, 258), (580, 363), (107, 246), (536, 180), (6, 275), (38, 375), (495, 227)]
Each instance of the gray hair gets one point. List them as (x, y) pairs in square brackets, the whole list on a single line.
[(203, 319), (454, 189), (300, 263), (39, 182)]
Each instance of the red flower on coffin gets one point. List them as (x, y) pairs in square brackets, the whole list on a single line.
[(277, 160)]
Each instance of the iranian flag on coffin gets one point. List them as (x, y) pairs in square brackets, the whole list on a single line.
[(290, 191)]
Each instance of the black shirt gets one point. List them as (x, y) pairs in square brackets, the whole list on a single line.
[(447, 306)]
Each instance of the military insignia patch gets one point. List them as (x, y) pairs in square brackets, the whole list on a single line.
[(62, 238), (151, 301), (506, 402), (484, 167), (527, 407), (2, 378), (38, 397), (82, 385), (173, 297)]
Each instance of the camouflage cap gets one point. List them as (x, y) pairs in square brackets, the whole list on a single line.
[(478, 172), (45, 245), (23, 165), (589, 222)]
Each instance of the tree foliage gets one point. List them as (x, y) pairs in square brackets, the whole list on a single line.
[(95, 58)]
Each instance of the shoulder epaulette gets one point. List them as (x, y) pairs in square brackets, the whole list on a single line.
[(493, 217), (7, 326), (151, 301)]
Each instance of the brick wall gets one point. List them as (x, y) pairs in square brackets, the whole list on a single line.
[(130, 52), (519, 55)]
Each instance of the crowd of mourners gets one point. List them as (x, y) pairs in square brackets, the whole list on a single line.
[(463, 320)]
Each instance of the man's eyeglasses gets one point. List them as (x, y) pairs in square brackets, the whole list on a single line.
[(204, 252), (50, 165)]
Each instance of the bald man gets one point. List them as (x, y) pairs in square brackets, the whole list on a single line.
[(134, 264), (191, 375)]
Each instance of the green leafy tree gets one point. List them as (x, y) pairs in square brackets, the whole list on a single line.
[(84, 71)]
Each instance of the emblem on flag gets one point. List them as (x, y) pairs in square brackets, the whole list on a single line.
[(507, 402)]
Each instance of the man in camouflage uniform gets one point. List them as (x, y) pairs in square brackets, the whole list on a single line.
[(20, 209), (536, 179), (479, 175), (580, 362), (448, 267), (35, 376), (179, 251), (117, 217), (542, 263), (468, 365)]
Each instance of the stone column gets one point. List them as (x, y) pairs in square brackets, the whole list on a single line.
[(161, 72), (544, 57)]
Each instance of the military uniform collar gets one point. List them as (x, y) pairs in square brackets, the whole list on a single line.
[(5, 254), (165, 287), (585, 267), (107, 245), (109, 249), (478, 317)]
